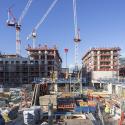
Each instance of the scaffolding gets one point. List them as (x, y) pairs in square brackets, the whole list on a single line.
[(39, 64)]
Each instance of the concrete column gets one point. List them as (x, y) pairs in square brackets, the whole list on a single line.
[(46, 64), (50, 113), (28, 53), (67, 87), (110, 88), (92, 61), (117, 90), (111, 59), (100, 84), (39, 64), (55, 87), (98, 59), (118, 65)]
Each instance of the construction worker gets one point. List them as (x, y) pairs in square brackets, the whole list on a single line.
[(107, 109)]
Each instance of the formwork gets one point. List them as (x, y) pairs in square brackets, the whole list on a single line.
[(44, 101)]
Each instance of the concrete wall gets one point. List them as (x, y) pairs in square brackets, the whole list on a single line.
[(110, 88), (120, 90), (96, 75)]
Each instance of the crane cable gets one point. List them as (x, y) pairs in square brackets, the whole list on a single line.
[(24, 11)]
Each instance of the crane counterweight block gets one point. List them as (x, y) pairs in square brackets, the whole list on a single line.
[(10, 23)]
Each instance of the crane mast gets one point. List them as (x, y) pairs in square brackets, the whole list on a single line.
[(18, 41), (77, 35), (17, 25)]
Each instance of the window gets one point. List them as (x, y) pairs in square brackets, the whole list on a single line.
[(12, 62), (42, 62), (24, 62), (50, 62), (50, 57), (36, 62), (31, 62), (1, 62), (95, 52), (6, 62), (42, 57), (17, 62), (50, 68)]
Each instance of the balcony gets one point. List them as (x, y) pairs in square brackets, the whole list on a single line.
[(105, 60)]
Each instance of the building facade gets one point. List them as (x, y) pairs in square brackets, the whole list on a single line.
[(40, 63), (102, 63), (48, 60), (122, 67)]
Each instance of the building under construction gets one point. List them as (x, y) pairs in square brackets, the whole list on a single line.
[(122, 67), (41, 62), (102, 63)]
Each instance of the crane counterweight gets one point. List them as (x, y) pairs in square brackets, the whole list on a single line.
[(10, 23)]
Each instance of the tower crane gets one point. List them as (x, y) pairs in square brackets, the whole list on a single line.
[(33, 34), (77, 35), (12, 22)]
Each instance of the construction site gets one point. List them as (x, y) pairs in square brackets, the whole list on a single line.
[(38, 90)]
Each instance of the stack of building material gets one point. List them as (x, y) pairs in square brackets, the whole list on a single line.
[(85, 106), (44, 100), (32, 115), (92, 106), (26, 96), (15, 96), (5, 95), (13, 113), (92, 103), (3, 102), (67, 95), (99, 94), (66, 103), (84, 109), (10, 113), (83, 103), (78, 122)]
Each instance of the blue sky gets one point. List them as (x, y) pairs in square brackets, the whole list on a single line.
[(101, 23)]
